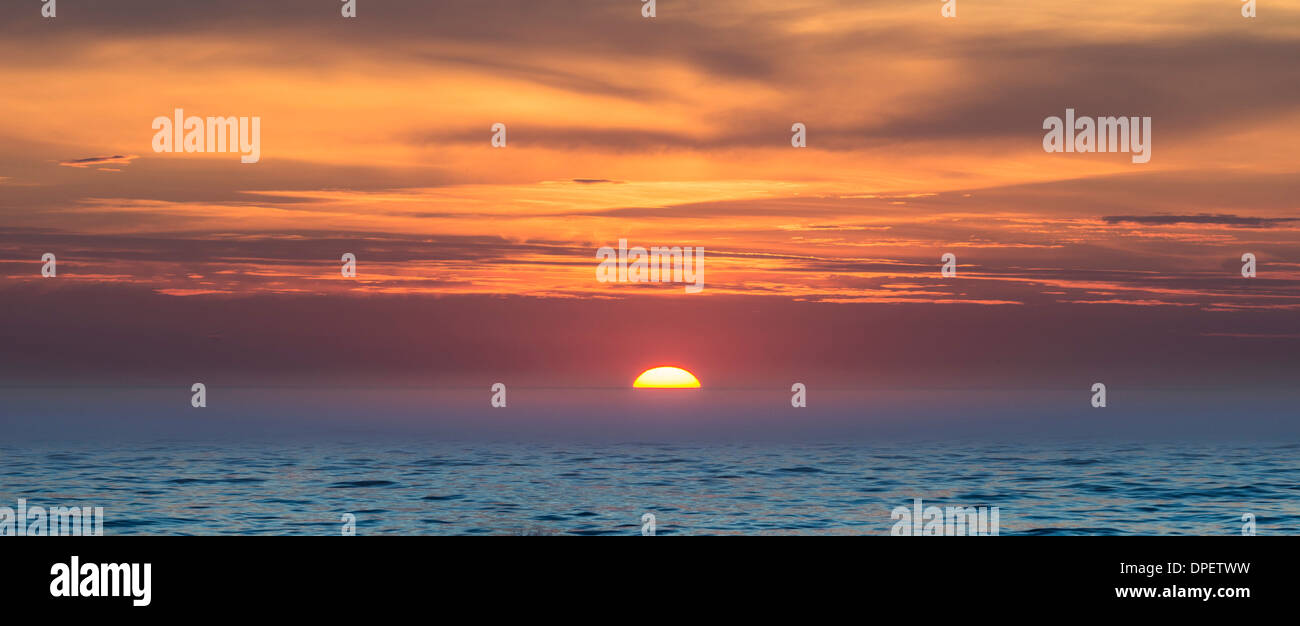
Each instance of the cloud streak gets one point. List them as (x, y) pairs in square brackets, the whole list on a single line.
[(1220, 219), (102, 163)]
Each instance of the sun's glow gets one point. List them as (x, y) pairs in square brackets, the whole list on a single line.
[(666, 378)]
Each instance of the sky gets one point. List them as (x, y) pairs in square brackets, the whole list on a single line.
[(476, 264)]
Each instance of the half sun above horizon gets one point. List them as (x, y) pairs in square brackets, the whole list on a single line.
[(666, 378)]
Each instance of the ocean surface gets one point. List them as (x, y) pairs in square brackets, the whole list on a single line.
[(438, 487)]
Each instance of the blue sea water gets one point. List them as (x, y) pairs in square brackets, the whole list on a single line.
[(438, 487)]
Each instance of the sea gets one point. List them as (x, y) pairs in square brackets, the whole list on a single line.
[(438, 487)]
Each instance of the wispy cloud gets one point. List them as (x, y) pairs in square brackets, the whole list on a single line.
[(1219, 219), (113, 163)]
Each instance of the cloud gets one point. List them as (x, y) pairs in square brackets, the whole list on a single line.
[(977, 84), (1204, 218), (101, 163)]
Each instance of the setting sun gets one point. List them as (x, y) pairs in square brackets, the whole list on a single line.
[(666, 378)]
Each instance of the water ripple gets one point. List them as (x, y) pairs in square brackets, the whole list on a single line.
[(591, 489)]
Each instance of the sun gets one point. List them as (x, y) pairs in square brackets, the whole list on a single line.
[(666, 378)]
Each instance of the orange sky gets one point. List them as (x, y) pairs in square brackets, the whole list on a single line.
[(478, 264), (924, 138)]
